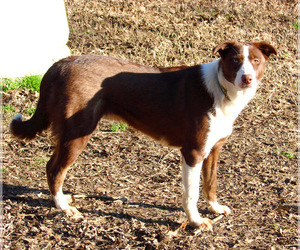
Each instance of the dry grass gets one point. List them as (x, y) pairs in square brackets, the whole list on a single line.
[(133, 184)]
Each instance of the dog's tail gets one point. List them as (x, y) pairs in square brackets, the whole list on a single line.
[(40, 119), (29, 129)]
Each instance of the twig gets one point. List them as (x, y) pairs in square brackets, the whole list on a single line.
[(217, 219)]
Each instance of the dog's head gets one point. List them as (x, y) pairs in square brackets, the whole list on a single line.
[(243, 64)]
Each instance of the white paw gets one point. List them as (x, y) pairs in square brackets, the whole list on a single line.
[(203, 223), (73, 213), (62, 202), (216, 208)]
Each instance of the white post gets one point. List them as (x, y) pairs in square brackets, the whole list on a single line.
[(33, 35)]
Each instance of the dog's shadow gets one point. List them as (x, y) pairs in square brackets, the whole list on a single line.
[(20, 195)]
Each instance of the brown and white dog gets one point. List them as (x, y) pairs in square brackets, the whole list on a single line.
[(192, 108)]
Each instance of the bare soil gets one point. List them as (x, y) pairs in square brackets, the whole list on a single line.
[(129, 187)]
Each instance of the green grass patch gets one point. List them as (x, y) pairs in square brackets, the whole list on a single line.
[(30, 111), (287, 154), (229, 17), (122, 126), (40, 161), (8, 108), (28, 82), (296, 24), (276, 226)]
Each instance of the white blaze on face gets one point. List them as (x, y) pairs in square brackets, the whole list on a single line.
[(246, 69)]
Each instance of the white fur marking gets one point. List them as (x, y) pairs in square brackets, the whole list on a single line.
[(209, 72), (216, 208), (226, 112), (220, 126), (221, 123), (61, 200), (191, 180), (17, 117), (246, 69)]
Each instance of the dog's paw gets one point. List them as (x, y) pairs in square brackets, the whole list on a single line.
[(216, 208), (73, 213), (204, 224)]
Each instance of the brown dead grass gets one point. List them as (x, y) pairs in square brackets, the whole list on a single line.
[(138, 182)]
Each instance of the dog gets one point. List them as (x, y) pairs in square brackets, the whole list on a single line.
[(191, 108)]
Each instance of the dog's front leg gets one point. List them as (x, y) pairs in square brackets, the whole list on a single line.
[(191, 180), (209, 174)]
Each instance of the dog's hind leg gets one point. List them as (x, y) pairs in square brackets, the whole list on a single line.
[(209, 174), (64, 156), (71, 140)]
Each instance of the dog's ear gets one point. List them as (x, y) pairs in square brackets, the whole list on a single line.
[(265, 48), (222, 47)]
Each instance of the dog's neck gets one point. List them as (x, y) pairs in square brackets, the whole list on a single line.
[(228, 98), (224, 90)]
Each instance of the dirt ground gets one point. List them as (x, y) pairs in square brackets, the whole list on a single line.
[(129, 187)]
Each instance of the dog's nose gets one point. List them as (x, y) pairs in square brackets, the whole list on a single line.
[(247, 79)]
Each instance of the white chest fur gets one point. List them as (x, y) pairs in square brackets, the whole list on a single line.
[(221, 122), (220, 126)]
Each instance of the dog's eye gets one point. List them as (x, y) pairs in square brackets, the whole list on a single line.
[(236, 61), (257, 61)]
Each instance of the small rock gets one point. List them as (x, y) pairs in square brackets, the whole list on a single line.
[(118, 202)]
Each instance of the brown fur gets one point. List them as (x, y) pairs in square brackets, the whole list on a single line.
[(209, 172), (77, 91)]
